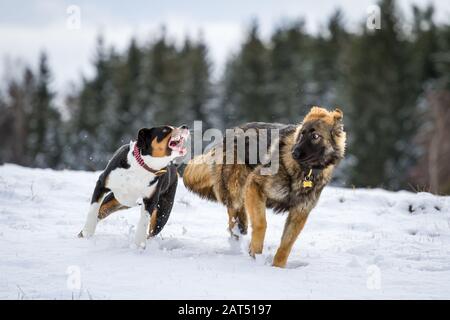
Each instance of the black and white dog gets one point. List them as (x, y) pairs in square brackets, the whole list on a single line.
[(140, 170)]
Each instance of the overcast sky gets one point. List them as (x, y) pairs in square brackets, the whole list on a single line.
[(28, 26)]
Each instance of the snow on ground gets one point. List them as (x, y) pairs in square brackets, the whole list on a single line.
[(363, 244)]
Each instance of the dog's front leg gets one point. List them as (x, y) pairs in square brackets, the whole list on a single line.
[(142, 227), (294, 225), (255, 205)]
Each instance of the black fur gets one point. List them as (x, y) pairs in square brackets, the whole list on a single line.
[(146, 136), (109, 197), (310, 152), (119, 160), (163, 198)]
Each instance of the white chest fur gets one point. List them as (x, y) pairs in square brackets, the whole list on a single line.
[(131, 185)]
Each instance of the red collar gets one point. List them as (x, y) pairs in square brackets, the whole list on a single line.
[(137, 156)]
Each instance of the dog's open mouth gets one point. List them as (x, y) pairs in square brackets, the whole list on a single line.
[(176, 143)]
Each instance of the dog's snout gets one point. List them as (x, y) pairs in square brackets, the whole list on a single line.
[(184, 127), (296, 153)]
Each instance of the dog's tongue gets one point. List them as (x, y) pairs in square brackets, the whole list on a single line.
[(181, 149), (178, 145)]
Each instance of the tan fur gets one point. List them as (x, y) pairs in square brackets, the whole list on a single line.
[(160, 149), (198, 176), (109, 207), (255, 206), (244, 190), (151, 226), (294, 225), (324, 115)]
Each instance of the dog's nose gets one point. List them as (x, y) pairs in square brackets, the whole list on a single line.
[(185, 127), (296, 153)]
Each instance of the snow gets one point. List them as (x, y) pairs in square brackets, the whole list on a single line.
[(357, 243)]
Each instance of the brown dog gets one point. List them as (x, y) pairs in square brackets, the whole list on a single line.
[(307, 153)]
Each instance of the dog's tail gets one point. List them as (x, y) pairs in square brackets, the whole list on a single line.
[(198, 177)]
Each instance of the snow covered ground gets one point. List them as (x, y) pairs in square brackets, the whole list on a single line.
[(363, 244)]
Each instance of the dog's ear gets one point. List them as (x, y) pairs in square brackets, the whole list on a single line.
[(338, 126), (144, 140), (338, 115)]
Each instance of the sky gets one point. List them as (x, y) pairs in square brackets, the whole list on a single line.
[(30, 26)]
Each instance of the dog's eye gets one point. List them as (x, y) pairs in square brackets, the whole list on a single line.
[(315, 136)]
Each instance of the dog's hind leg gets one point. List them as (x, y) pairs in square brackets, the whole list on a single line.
[(109, 205), (242, 221), (237, 218), (92, 217), (232, 220), (255, 205)]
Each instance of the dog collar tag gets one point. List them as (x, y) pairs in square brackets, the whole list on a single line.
[(307, 182)]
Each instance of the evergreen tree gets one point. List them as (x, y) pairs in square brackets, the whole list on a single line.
[(16, 139), (126, 77), (289, 72), (197, 91), (90, 143), (326, 54), (382, 98), (9, 153), (44, 121), (424, 46), (165, 83), (247, 95), (134, 95)]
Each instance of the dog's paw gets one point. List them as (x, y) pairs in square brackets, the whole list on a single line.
[(85, 234), (242, 228), (234, 234), (279, 262), (140, 244), (258, 257), (252, 252), (140, 241), (254, 249)]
